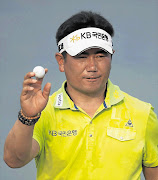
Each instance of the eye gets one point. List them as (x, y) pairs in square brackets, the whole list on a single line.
[(81, 56), (102, 55)]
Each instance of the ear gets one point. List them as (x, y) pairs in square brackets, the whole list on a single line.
[(60, 59)]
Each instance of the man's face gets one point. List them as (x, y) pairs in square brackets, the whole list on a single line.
[(88, 72)]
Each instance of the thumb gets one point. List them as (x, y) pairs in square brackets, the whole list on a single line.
[(46, 90)]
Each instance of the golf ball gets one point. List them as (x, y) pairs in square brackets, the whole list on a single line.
[(39, 71)]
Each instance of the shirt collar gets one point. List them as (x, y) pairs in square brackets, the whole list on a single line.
[(113, 96), (62, 99)]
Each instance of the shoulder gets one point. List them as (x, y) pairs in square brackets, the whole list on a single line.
[(141, 113), (136, 104)]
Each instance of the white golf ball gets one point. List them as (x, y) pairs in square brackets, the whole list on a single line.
[(39, 71)]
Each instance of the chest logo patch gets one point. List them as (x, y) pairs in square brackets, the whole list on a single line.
[(129, 123)]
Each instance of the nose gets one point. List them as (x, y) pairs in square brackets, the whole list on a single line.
[(91, 64)]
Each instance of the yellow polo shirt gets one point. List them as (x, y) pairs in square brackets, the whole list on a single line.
[(113, 145)]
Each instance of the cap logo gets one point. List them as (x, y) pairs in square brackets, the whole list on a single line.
[(74, 38), (87, 35), (60, 47)]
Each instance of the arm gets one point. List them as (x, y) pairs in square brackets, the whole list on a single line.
[(150, 160), (150, 173), (20, 148)]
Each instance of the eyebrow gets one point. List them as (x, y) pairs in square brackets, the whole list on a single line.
[(97, 52), (101, 51)]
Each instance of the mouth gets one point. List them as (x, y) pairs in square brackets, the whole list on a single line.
[(92, 78)]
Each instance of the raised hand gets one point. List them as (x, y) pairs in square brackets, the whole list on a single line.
[(32, 99)]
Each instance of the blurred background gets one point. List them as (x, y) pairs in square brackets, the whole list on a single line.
[(27, 39)]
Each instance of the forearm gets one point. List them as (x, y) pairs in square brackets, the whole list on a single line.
[(20, 148), (18, 145), (150, 173)]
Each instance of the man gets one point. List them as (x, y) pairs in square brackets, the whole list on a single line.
[(88, 129)]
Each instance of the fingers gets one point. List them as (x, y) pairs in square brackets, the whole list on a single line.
[(46, 70), (32, 74), (27, 89), (28, 83), (29, 75), (28, 78), (46, 90), (31, 84)]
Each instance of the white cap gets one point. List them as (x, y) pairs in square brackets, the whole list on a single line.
[(86, 38)]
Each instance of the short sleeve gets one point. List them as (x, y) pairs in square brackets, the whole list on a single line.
[(38, 133), (150, 158)]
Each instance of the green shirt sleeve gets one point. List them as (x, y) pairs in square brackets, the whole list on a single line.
[(38, 133), (150, 158)]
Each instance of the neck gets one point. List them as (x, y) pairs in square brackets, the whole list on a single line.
[(88, 102)]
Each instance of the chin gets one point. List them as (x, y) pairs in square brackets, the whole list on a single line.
[(93, 91)]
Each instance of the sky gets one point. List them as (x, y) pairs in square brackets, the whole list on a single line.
[(27, 39)]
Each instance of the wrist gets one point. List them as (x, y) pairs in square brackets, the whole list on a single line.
[(28, 120)]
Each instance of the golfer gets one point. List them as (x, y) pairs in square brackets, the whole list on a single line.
[(89, 129)]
